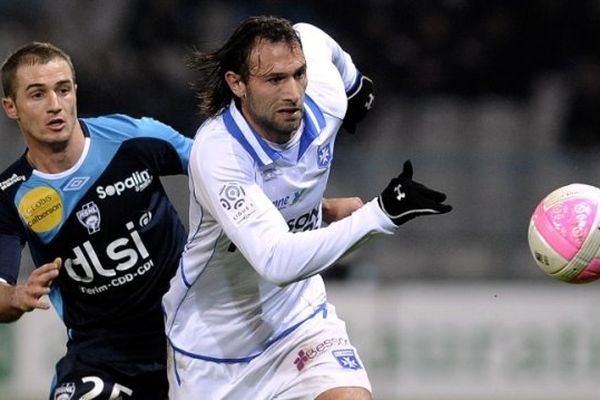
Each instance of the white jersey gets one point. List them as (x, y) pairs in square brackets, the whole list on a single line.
[(249, 274)]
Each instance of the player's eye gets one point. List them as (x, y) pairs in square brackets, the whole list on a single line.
[(64, 89), (275, 79), (37, 94)]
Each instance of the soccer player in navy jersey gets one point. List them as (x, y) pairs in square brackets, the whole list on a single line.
[(87, 199), (247, 315)]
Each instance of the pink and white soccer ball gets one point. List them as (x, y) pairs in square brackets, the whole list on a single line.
[(564, 233)]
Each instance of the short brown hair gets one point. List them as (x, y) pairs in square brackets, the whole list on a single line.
[(30, 54)]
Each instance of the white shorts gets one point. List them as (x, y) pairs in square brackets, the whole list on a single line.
[(316, 357)]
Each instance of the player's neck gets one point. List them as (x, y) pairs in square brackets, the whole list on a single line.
[(58, 158)]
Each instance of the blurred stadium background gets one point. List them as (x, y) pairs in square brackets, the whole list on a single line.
[(496, 102)]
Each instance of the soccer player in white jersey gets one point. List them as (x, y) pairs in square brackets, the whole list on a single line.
[(247, 315)]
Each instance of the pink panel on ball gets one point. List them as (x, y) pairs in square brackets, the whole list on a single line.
[(590, 273), (545, 222)]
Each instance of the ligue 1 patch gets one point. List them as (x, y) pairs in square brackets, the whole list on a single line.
[(64, 391), (233, 200), (89, 217), (41, 208), (324, 155), (347, 359)]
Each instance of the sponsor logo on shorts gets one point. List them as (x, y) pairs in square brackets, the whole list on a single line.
[(64, 391), (347, 358), (11, 181), (306, 355)]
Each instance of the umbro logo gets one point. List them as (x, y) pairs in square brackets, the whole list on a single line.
[(75, 183)]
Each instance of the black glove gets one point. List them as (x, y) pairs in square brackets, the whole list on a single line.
[(360, 101), (404, 199)]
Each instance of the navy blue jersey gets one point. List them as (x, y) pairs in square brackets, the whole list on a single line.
[(109, 219)]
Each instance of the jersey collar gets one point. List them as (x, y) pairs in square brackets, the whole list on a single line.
[(257, 147)]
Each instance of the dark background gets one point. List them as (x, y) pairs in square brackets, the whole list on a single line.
[(496, 102)]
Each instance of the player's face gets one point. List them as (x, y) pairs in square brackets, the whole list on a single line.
[(273, 98), (44, 104)]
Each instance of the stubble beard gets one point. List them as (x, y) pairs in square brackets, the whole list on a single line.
[(282, 130)]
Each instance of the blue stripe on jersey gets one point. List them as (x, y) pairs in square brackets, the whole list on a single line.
[(312, 115), (355, 84), (56, 300), (63, 184), (236, 132), (113, 130), (120, 127), (314, 122), (321, 309), (318, 114)]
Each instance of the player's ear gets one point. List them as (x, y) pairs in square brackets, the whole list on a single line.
[(9, 108), (235, 83)]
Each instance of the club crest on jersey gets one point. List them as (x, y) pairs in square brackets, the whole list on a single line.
[(324, 155), (64, 391), (347, 359), (89, 216), (233, 200)]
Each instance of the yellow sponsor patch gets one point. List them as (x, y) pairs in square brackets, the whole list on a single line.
[(41, 208)]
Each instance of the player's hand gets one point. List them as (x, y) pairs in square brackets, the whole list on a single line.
[(336, 208), (404, 199), (360, 101), (27, 296)]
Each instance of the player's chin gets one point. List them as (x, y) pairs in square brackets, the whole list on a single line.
[(289, 124)]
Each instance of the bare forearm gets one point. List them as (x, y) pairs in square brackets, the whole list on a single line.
[(8, 311), (336, 208)]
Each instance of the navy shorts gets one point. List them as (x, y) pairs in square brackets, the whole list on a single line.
[(76, 378)]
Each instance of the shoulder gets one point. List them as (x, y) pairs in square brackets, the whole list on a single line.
[(211, 132), (309, 32), (213, 140), (17, 173), (214, 148), (325, 82), (121, 126)]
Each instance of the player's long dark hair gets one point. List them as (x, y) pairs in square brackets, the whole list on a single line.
[(209, 84)]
